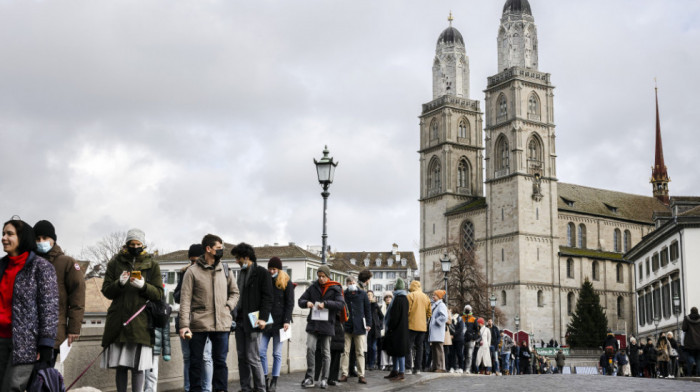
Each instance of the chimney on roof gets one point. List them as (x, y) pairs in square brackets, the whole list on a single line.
[(394, 248), (292, 244), (659, 175)]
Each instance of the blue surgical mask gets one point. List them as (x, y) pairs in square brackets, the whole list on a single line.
[(43, 247), (275, 275)]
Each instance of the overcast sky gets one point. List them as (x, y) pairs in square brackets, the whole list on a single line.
[(188, 117)]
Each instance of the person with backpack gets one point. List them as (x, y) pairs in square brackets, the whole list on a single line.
[(132, 278), (193, 253), (471, 337), (161, 334), (457, 329), (209, 294)]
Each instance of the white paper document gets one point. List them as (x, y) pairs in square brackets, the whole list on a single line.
[(285, 335), (64, 350), (319, 314)]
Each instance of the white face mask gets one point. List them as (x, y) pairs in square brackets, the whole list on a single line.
[(352, 287), (275, 275), (43, 247)]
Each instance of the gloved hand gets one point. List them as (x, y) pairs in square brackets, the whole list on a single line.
[(138, 283), (45, 357), (166, 358), (124, 277)]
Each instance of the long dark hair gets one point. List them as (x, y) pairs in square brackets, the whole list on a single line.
[(25, 233)]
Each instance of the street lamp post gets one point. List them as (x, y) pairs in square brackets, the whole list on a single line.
[(677, 312), (446, 265), (325, 168), (657, 320), (517, 327), (493, 307)]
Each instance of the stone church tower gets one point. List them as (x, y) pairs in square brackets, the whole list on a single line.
[(451, 148), (521, 250)]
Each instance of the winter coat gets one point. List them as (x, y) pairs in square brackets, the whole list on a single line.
[(338, 340), (507, 344), (611, 341), (359, 312), (495, 336), (161, 341), (396, 338), (649, 353), (525, 355), (207, 297), (71, 293), (282, 306), (471, 328), (34, 308), (691, 327), (633, 350), (436, 328), (382, 310), (256, 296), (419, 310), (332, 300), (127, 299), (672, 344), (484, 353), (560, 358), (662, 350), (377, 321), (459, 328)]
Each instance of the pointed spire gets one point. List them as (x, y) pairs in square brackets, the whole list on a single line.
[(659, 174), (450, 18)]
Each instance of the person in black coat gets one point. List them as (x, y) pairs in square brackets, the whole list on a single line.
[(323, 295), (255, 284), (282, 307), (633, 352), (525, 355), (650, 358), (375, 332), (396, 337), (356, 328)]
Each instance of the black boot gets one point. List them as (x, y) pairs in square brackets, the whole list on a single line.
[(272, 387), (267, 382)]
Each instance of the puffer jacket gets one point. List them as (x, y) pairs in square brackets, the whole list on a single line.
[(207, 297), (691, 327), (71, 293), (127, 299), (162, 341), (419, 311), (34, 308)]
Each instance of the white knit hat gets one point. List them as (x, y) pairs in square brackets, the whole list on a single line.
[(136, 234)]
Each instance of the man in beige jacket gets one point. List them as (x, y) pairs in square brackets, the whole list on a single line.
[(418, 315), (209, 293)]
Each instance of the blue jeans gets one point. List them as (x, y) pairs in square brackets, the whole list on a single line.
[(505, 360), (206, 366), (276, 353), (400, 364), (219, 351), (494, 358), (372, 351)]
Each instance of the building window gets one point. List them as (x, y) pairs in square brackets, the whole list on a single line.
[(619, 273), (617, 239), (649, 308), (657, 302), (581, 236), (628, 241), (378, 275), (533, 106), (402, 274), (666, 296), (534, 155), (391, 275), (640, 308), (389, 287), (434, 170), (366, 262), (171, 298), (620, 307), (434, 130), (503, 254), (463, 176), (570, 268), (570, 304), (540, 298), (502, 107), (377, 288), (647, 264), (655, 262), (502, 156), (674, 251), (641, 272), (664, 257), (467, 237), (570, 232), (504, 298), (464, 130), (389, 262), (594, 270)]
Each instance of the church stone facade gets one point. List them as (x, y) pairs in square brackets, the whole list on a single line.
[(537, 239)]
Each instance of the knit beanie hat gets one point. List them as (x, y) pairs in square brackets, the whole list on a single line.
[(480, 321), (468, 309), (400, 284), (388, 294), (196, 250), (275, 262), (326, 270), (45, 228), (439, 293), (136, 234)]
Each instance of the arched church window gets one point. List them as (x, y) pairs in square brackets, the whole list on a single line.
[(502, 106), (570, 268), (504, 298), (581, 236), (467, 237), (463, 176), (534, 155), (570, 232), (540, 298), (628, 240), (434, 170), (502, 156), (594, 270), (533, 107), (434, 130), (463, 132), (617, 240), (619, 273), (620, 306), (570, 303)]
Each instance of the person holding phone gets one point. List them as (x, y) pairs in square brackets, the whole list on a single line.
[(132, 278), (255, 285)]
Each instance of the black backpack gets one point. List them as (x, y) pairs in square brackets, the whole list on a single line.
[(472, 333), (158, 311), (46, 380)]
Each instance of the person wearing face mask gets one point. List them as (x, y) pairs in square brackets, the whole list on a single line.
[(132, 278), (282, 307), (207, 297), (356, 328), (71, 285), (255, 284)]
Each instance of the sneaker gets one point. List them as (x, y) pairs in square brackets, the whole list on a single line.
[(452, 370), (307, 383), (416, 371), (459, 371), (323, 384)]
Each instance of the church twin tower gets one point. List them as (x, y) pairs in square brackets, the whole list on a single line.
[(511, 225)]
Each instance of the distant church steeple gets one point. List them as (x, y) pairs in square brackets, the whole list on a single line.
[(517, 37), (451, 64), (659, 175)]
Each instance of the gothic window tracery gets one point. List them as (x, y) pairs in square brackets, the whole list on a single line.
[(570, 233), (502, 107), (467, 237), (434, 184), (617, 240), (464, 131), (434, 130), (463, 176), (533, 107), (502, 156), (534, 155)]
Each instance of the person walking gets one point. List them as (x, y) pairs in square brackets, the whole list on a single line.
[(193, 253), (209, 294), (691, 341), (419, 312), (28, 307), (483, 356), (324, 298), (471, 336), (71, 285), (505, 347), (356, 328), (132, 278), (436, 331), (282, 307), (396, 323)]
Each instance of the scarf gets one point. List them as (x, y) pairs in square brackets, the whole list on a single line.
[(324, 287)]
